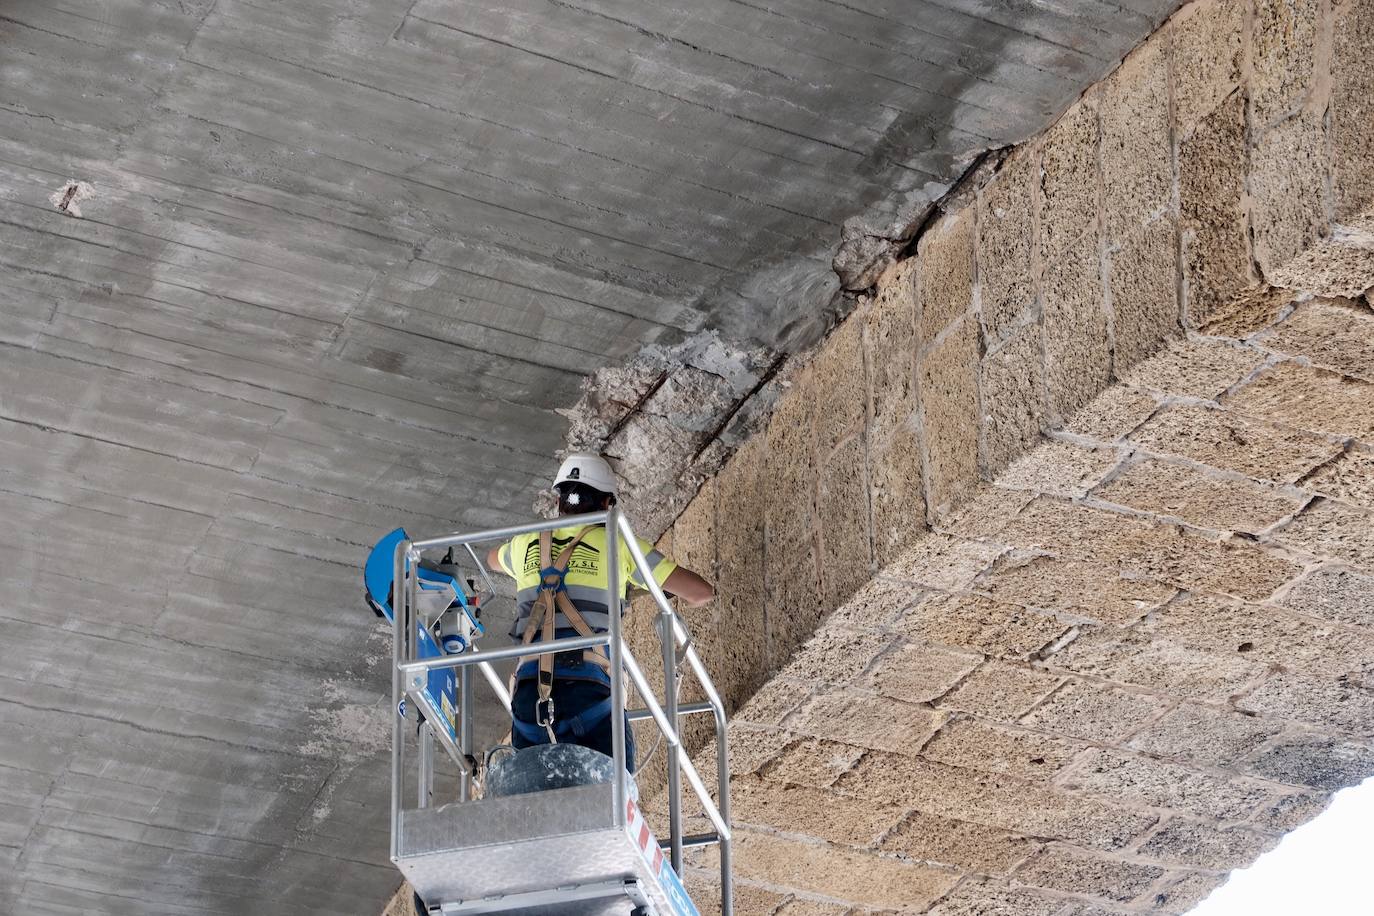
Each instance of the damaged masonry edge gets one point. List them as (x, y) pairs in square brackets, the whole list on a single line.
[(670, 417)]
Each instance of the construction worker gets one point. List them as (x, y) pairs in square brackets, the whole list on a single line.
[(561, 581)]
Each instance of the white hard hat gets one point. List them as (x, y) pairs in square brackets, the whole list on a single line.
[(589, 469)]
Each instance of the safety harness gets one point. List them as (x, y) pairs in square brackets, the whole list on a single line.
[(551, 601)]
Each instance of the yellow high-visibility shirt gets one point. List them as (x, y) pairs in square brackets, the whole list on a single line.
[(586, 579)]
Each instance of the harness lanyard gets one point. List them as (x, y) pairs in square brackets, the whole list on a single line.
[(552, 600)]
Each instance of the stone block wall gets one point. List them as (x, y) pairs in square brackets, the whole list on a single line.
[(1127, 666), (1228, 153)]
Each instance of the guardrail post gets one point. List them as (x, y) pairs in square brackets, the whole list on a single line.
[(665, 627), (398, 734), (613, 598)]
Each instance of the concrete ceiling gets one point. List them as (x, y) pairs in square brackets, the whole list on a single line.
[(279, 276)]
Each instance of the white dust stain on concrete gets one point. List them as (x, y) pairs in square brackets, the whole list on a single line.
[(70, 195), (348, 731)]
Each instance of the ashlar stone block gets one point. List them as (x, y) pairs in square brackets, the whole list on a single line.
[(1341, 266), (1205, 735), (1349, 478), (836, 655), (842, 513), (974, 623), (1229, 566), (1336, 704), (991, 799), (1078, 359), (812, 762), (740, 590), (1143, 280), (1291, 810), (896, 475), (1084, 590), (993, 748), (1288, 175), (1160, 784), (773, 702), (1005, 236), (876, 604), (1336, 594), (694, 532), (1182, 841), (794, 606), (790, 467), (1112, 414), (1093, 712), (1000, 690), (1249, 313), (1261, 634), (889, 336), (1211, 187), (984, 513), (945, 256), (1137, 166), (1352, 108), (1074, 530), (1328, 528), (1208, 51), (1060, 468), (984, 897), (1310, 399), (839, 873), (1283, 51), (1069, 184), (1334, 335), (1184, 894), (942, 561), (1226, 440), (957, 843), (949, 410), (918, 673), (1013, 400), (865, 720), (1076, 871), (1318, 761), (1196, 368), (798, 906), (810, 811), (1171, 667), (704, 888), (751, 747), (840, 386), (1198, 498)]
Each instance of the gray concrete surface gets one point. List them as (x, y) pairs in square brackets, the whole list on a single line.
[(327, 267)]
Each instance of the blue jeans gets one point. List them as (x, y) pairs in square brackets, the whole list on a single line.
[(571, 697)]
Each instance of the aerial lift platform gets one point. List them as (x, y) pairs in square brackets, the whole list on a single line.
[(584, 849)]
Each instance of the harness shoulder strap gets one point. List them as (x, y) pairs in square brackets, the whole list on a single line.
[(551, 600)]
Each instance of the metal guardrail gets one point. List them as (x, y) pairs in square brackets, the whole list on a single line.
[(409, 673)]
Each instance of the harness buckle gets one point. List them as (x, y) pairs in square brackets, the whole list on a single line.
[(543, 712), (551, 579)]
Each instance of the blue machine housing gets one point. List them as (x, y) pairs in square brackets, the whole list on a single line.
[(378, 573)]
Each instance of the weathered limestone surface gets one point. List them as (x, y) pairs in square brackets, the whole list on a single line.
[(1099, 698), (1117, 636), (1170, 191)]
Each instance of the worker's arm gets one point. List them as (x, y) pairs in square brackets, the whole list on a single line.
[(686, 585), (494, 560)]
